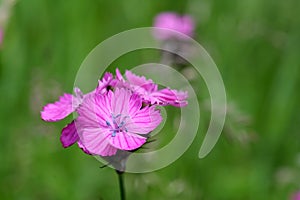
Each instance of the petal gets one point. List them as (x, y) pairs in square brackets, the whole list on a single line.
[(135, 104), (135, 79), (140, 82), (83, 148), (95, 110), (109, 151), (95, 141), (145, 120), (69, 135), (169, 97), (104, 83), (126, 141), (119, 75), (103, 107), (120, 101), (58, 110), (119, 81), (79, 95), (107, 77)]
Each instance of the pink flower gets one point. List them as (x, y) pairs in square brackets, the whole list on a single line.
[(115, 121), (170, 20), (296, 196), (149, 92), (117, 116)]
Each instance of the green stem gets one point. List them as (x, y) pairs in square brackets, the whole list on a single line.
[(121, 184)]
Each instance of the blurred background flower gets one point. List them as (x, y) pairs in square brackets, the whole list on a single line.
[(173, 31), (172, 21), (296, 196)]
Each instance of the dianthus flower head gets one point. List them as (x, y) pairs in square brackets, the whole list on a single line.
[(116, 116), (170, 20), (115, 121)]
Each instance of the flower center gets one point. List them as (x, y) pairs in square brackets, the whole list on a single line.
[(117, 124)]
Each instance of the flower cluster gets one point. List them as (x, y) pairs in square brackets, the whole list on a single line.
[(118, 115)]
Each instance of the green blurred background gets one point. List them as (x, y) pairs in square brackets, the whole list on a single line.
[(254, 43)]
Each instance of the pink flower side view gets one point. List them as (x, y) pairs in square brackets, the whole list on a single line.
[(170, 20), (149, 92), (115, 121)]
